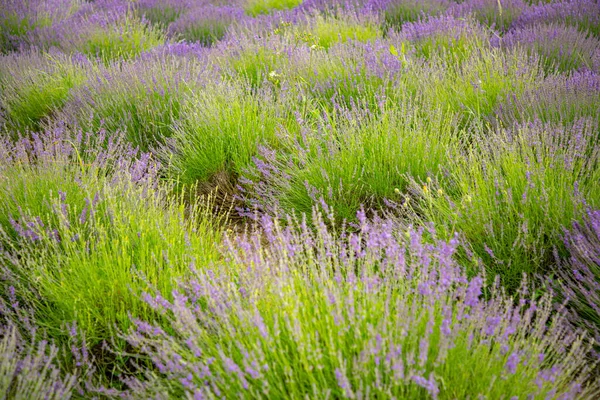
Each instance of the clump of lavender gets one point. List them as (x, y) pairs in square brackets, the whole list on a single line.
[(563, 48), (19, 18), (579, 276), (220, 130), (108, 29), (162, 12), (557, 99), (378, 312), (445, 35), (353, 157), (205, 25), (510, 196), (142, 98), (322, 32), (582, 14), (35, 85), (498, 15), (83, 222), (252, 59), (34, 367), (347, 73), (398, 12), (256, 7)]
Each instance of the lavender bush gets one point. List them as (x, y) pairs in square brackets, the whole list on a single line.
[(398, 12), (376, 313), (20, 19), (35, 85), (511, 196), (582, 14), (558, 99), (108, 29), (205, 25), (75, 241), (499, 15), (445, 34), (580, 275), (142, 98), (563, 48)]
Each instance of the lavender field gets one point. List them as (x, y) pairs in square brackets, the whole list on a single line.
[(319, 199)]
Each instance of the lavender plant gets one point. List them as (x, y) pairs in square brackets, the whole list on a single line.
[(582, 14), (142, 98), (514, 191), (253, 60), (83, 224), (558, 99), (353, 158), (478, 117), (256, 7), (205, 25), (579, 276), (36, 85), (319, 31), (20, 18), (376, 313), (31, 370), (562, 48), (475, 88), (496, 14), (398, 12), (107, 29), (350, 73), (446, 36), (221, 130), (162, 13)]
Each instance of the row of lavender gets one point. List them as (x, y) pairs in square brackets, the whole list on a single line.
[(444, 150)]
